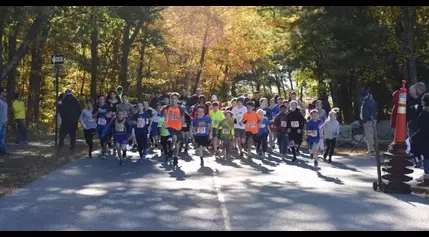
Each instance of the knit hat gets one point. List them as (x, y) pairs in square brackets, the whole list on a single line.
[(68, 92), (364, 92), (214, 97)]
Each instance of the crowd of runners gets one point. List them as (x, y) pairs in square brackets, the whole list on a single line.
[(173, 122)]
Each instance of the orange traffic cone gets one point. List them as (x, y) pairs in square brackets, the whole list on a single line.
[(398, 146)]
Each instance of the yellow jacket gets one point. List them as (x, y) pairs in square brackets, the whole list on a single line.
[(18, 108)]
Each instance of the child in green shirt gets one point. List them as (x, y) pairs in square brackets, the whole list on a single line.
[(226, 129), (165, 134)]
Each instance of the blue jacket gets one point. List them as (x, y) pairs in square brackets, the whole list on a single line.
[(369, 110)]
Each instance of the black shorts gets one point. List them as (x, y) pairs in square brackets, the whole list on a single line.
[(250, 135), (216, 133), (202, 141), (177, 133)]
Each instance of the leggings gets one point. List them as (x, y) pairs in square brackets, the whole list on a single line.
[(330, 147), (89, 135), (261, 140), (166, 146)]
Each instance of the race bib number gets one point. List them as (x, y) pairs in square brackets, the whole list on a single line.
[(185, 125), (294, 124), (283, 124), (172, 117), (201, 130), (141, 123), (101, 121), (263, 125), (226, 130), (120, 128), (312, 133), (251, 125)]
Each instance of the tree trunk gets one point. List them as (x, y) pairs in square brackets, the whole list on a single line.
[(3, 10), (140, 68), (409, 22), (126, 47), (32, 33), (36, 76), (82, 86), (115, 59), (94, 63), (12, 73), (290, 79), (201, 65)]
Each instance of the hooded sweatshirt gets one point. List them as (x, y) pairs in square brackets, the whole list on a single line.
[(330, 129)]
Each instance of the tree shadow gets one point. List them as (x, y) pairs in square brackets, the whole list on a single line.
[(206, 170), (178, 173)]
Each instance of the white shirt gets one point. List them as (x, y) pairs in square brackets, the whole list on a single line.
[(238, 114)]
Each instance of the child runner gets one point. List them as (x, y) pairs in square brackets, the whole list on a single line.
[(280, 124), (330, 130), (121, 132), (186, 130), (154, 131), (216, 116), (262, 137), (89, 125), (226, 128), (274, 111), (174, 121), (251, 120), (142, 130), (164, 133), (313, 135), (295, 125), (202, 125), (238, 112), (103, 114)]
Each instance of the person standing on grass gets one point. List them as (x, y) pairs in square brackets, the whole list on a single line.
[(3, 119), (330, 130), (89, 125), (70, 112), (18, 108)]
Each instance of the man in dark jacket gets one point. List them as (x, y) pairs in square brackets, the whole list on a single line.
[(195, 98), (414, 107), (156, 100), (325, 103), (70, 111), (368, 116)]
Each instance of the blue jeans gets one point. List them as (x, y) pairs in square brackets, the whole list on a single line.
[(3, 128), (282, 141)]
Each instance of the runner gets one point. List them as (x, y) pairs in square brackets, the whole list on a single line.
[(129, 111), (216, 116), (142, 124), (261, 139), (251, 120), (280, 124), (226, 128), (295, 126), (154, 131), (232, 104), (164, 133), (238, 112), (313, 136), (121, 132), (329, 131), (89, 125), (202, 125), (321, 112), (301, 107), (112, 101), (274, 111), (103, 115), (186, 131), (202, 102), (174, 121)]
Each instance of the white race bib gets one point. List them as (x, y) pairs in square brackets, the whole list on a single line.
[(262, 125), (294, 124), (251, 124), (101, 121), (120, 128), (201, 130), (141, 123), (185, 125), (283, 124), (312, 133)]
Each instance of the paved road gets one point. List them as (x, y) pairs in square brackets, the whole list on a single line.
[(262, 195)]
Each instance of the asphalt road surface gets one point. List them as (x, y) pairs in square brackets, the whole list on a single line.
[(224, 195)]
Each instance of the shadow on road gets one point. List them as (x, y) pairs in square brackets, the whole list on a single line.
[(228, 162), (206, 170), (330, 179)]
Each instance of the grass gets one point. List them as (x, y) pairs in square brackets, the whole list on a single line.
[(25, 164)]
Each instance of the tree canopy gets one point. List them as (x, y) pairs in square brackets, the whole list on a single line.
[(224, 50)]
